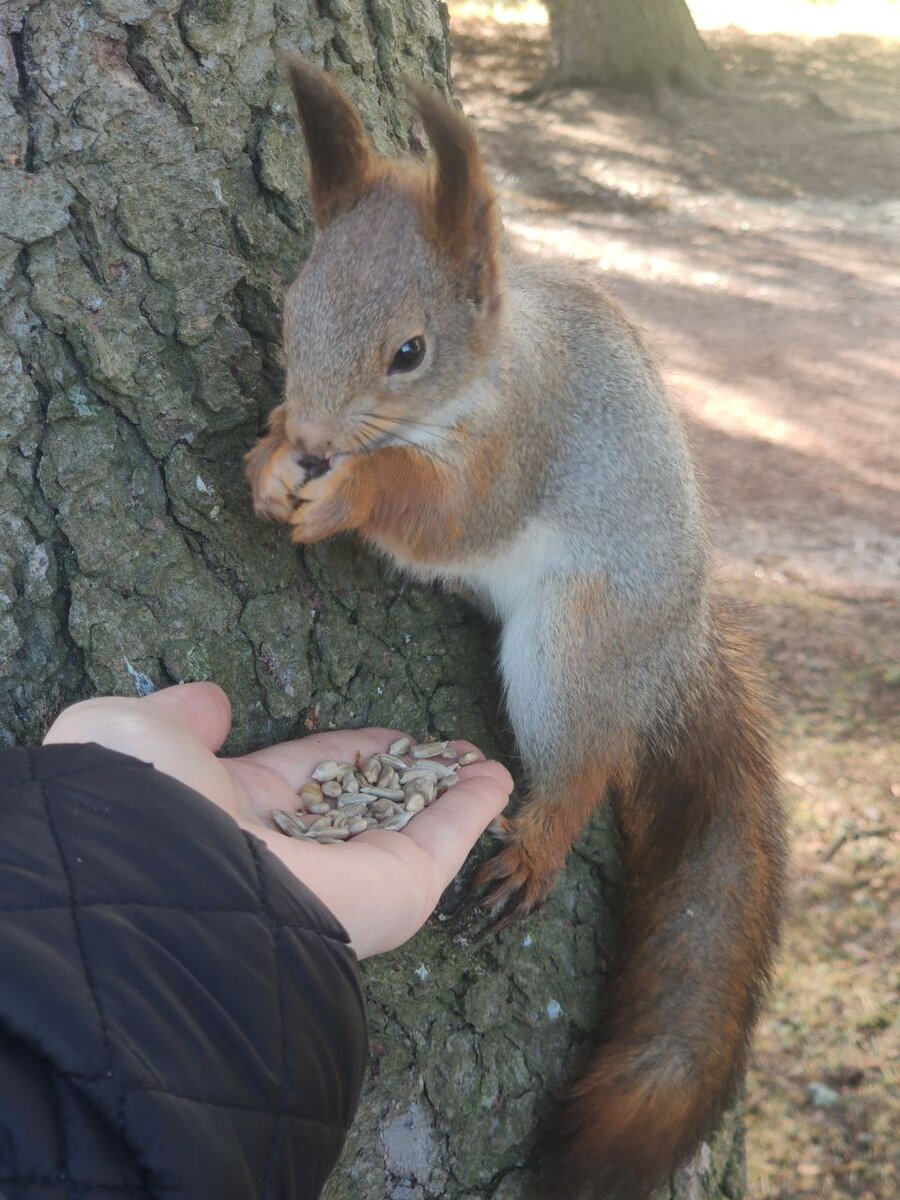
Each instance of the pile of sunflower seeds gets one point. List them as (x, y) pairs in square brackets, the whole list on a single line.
[(344, 799)]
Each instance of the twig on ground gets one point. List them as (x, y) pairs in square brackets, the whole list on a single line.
[(852, 834)]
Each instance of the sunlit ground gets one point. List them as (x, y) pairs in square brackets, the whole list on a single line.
[(804, 18)]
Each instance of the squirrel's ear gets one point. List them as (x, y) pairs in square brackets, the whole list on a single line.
[(340, 158), (462, 220)]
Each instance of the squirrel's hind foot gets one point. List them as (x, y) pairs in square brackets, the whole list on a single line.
[(517, 880)]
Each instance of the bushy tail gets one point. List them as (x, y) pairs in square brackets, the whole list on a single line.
[(704, 863)]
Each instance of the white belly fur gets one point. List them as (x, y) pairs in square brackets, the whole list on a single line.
[(513, 582), (506, 578)]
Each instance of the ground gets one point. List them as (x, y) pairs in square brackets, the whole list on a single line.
[(756, 241)]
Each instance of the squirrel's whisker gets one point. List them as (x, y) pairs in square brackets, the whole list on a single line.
[(393, 433), (425, 425)]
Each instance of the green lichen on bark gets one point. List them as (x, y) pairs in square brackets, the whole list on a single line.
[(152, 207)]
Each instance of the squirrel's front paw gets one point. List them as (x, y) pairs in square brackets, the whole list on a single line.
[(324, 505), (276, 478)]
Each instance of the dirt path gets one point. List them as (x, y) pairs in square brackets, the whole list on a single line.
[(758, 243)]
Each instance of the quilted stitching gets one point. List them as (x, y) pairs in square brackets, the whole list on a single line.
[(79, 936), (273, 929), (124, 1074)]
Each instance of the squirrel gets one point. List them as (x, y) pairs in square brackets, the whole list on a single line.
[(496, 424)]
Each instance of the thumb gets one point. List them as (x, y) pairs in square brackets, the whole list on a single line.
[(201, 709), (176, 730)]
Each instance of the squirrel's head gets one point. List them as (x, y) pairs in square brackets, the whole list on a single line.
[(390, 322)]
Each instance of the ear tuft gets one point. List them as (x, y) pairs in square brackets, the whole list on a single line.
[(340, 157), (462, 222)]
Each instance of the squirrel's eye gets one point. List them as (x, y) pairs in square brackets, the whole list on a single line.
[(408, 357)]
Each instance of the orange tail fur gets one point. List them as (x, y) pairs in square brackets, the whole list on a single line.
[(704, 866)]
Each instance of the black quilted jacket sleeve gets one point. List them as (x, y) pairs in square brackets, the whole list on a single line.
[(178, 1016)]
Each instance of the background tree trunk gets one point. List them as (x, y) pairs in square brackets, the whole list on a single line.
[(636, 45), (152, 206)]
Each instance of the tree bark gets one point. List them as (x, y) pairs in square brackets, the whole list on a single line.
[(152, 207), (635, 45)]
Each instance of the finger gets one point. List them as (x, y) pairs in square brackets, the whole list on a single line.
[(203, 709), (295, 761), (462, 747), (175, 730), (88, 719), (485, 768)]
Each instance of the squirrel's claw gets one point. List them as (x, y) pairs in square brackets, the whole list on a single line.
[(516, 881)]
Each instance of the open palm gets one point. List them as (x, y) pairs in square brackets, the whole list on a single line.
[(381, 885)]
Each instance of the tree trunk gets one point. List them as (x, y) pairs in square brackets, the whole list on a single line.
[(152, 206), (635, 45)]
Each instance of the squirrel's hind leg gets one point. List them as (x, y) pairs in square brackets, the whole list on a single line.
[(564, 680), (537, 840)]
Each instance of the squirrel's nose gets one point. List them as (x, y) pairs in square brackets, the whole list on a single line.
[(313, 439)]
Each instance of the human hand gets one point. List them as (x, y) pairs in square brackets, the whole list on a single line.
[(381, 885)]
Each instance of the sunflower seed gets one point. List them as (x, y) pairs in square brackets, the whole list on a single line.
[(431, 767), (372, 770), (322, 822), (447, 782), (384, 808), (392, 760), (469, 757), (310, 793), (383, 793), (387, 777), (398, 821), (358, 825), (450, 753), (414, 774), (288, 823), (340, 835), (401, 746), (325, 771), (415, 803), (332, 789), (349, 782), (319, 808), (349, 806), (431, 750), (421, 787)]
